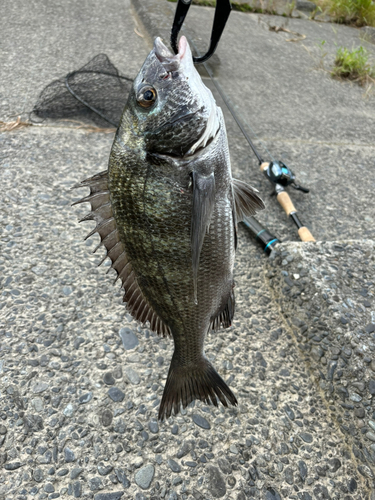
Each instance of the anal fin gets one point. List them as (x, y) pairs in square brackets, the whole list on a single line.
[(225, 314)]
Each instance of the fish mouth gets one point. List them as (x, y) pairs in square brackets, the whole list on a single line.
[(183, 60), (170, 61)]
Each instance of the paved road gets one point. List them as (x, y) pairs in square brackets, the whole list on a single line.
[(80, 381)]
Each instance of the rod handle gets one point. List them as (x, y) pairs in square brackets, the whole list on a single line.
[(264, 166), (284, 199), (305, 234)]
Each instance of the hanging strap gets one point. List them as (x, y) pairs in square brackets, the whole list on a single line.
[(222, 11)]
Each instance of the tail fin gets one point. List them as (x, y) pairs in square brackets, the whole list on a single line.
[(187, 383)]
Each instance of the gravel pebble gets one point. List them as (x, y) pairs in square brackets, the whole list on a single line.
[(104, 469), (69, 410), (132, 375), (95, 483), (201, 421), (38, 475), (115, 495), (69, 455), (184, 450), (37, 404), (85, 398), (109, 379), (272, 494), (77, 489), (63, 472), (306, 437), (144, 476), (107, 417), (121, 476), (216, 483), (371, 436), (129, 339), (116, 394), (153, 426), (39, 387), (75, 472), (49, 488), (371, 387), (13, 466), (174, 466)]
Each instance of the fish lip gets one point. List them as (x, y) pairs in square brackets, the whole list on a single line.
[(171, 62), (165, 55), (182, 46)]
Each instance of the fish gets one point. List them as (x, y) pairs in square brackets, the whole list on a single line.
[(166, 211)]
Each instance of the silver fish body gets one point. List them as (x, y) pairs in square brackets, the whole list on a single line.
[(167, 210)]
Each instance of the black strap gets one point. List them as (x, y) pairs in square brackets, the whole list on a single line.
[(222, 11)]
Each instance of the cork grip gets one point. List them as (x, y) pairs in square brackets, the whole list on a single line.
[(264, 166), (305, 234), (284, 199)]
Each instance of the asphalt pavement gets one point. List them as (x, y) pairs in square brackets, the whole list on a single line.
[(81, 381)]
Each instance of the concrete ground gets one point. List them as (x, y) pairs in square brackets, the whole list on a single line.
[(81, 381)]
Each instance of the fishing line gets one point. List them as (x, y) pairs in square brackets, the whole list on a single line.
[(231, 110)]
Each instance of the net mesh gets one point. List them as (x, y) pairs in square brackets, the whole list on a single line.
[(94, 94)]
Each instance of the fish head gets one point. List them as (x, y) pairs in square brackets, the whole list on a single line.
[(174, 111)]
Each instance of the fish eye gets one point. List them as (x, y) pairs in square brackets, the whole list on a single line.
[(146, 96)]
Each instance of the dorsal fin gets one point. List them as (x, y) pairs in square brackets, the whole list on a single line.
[(101, 212), (246, 200)]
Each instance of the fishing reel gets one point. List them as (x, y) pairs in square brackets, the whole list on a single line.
[(281, 177), (278, 173)]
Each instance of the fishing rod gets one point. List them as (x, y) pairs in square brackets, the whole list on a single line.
[(261, 234), (276, 171)]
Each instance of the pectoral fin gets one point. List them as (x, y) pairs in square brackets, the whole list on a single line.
[(203, 206), (246, 200)]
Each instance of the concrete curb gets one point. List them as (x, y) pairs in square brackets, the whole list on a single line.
[(325, 294)]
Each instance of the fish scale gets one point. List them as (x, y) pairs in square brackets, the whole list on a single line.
[(166, 211)]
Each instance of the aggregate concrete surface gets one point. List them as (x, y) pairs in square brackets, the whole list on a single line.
[(81, 381)]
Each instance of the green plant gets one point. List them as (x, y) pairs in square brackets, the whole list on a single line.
[(358, 12), (322, 52), (315, 12), (318, 58), (289, 8), (353, 65)]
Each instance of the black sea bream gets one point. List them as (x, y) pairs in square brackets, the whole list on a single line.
[(166, 211)]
